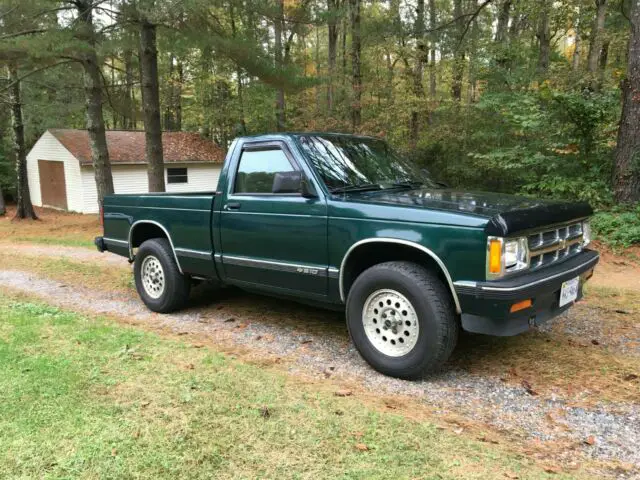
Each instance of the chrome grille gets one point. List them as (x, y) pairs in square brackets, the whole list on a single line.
[(551, 245)]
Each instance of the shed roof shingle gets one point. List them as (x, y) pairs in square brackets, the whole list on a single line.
[(128, 146)]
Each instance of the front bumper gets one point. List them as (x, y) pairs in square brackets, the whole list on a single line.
[(486, 305)]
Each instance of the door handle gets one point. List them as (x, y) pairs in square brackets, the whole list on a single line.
[(232, 206)]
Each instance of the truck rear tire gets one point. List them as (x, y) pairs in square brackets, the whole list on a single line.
[(401, 319), (160, 284)]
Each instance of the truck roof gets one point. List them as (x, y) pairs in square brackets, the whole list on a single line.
[(267, 136)]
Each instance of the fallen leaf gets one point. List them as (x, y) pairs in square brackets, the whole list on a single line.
[(136, 434), (595, 342), (528, 388), (623, 312), (343, 393), (241, 325), (488, 440), (114, 452), (339, 412), (590, 440), (229, 320), (362, 447), (145, 404), (458, 431), (189, 366), (306, 341), (327, 373), (358, 435), (625, 467), (630, 377), (265, 412), (259, 337), (511, 475), (183, 333), (553, 469), (198, 345)]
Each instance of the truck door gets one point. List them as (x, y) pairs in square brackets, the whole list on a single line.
[(273, 241)]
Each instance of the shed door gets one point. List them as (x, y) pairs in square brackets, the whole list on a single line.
[(52, 185)]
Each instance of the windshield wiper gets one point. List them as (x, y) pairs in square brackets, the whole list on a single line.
[(408, 184), (363, 187)]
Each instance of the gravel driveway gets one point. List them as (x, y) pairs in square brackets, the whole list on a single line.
[(316, 343)]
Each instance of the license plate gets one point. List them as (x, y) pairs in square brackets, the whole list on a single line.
[(569, 291)]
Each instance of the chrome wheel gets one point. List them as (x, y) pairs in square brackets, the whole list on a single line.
[(390, 322), (152, 276)]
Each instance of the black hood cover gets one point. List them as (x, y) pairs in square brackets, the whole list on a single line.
[(513, 221)]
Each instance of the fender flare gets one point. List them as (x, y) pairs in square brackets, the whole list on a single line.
[(407, 243), (152, 222)]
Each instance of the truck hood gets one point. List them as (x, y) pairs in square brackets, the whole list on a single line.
[(506, 214)]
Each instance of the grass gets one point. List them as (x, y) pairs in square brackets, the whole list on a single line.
[(87, 398)]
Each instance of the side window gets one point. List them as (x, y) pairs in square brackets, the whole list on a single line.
[(177, 175), (257, 169)]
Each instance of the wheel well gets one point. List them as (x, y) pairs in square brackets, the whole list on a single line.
[(145, 231), (370, 254)]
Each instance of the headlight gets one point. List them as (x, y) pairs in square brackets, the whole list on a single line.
[(586, 233), (506, 255)]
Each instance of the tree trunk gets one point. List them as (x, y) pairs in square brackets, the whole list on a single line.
[(169, 104), (93, 87), (602, 60), (130, 105), (544, 39), (432, 61), (626, 172), (332, 24), (356, 79), (473, 51), (178, 95), (242, 125), (343, 42), (3, 208), (595, 42), (459, 54), (577, 50), (280, 98), (422, 54), (151, 106), (503, 22), (24, 207)]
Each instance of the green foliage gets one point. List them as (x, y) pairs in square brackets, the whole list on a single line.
[(549, 143), (618, 227)]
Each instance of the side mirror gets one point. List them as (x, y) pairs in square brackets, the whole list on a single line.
[(292, 182)]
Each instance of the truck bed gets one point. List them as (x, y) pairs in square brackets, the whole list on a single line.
[(185, 218)]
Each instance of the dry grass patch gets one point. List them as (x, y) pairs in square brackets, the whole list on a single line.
[(83, 274), (546, 364), (52, 227)]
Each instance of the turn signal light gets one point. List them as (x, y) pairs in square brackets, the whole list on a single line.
[(516, 307), (495, 256)]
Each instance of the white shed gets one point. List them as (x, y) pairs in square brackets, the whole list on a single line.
[(61, 173)]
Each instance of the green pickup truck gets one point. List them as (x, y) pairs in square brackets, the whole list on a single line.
[(343, 222)]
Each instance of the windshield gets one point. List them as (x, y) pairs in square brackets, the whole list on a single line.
[(350, 163)]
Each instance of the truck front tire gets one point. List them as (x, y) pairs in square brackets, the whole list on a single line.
[(160, 284), (401, 319)]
